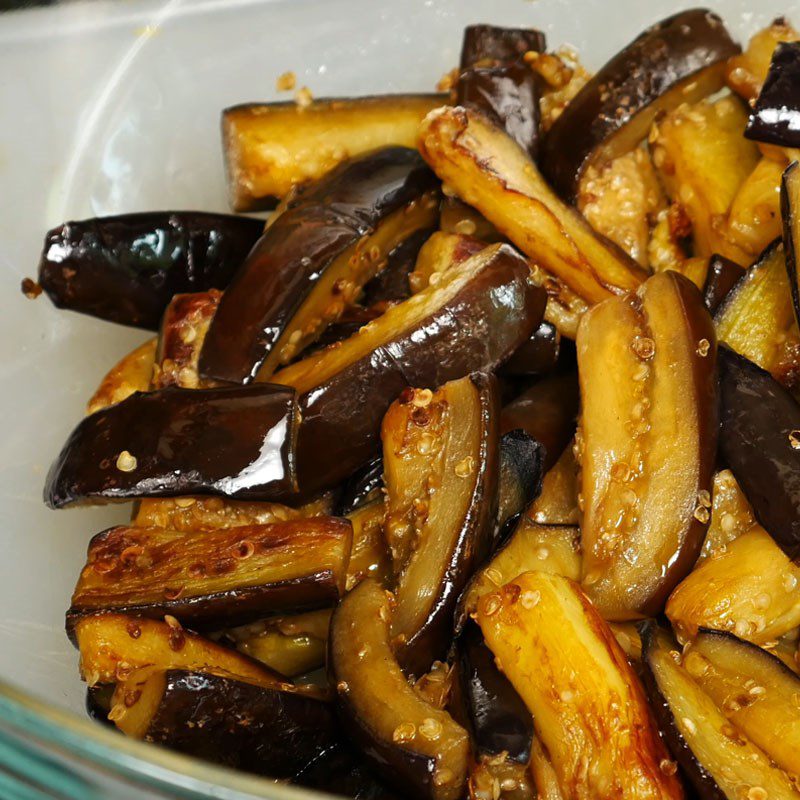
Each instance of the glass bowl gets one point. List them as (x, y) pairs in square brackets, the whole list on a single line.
[(112, 107)]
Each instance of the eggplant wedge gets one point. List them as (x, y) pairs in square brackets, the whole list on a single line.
[(520, 482), (703, 161), (647, 443), (750, 589), (129, 375), (790, 212), (470, 321), (126, 269), (558, 502), (180, 339), (716, 760), (760, 442), (215, 578), (405, 737), (544, 776), (488, 170), (157, 444), (490, 45), (314, 260), (369, 555), (775, 118), (588, 707), (363, 487), (225, 720), (747, 72), (271, 148), (113, 645), (441, 466), (441, 252), (531, 548), (678, 60), (754, 689), (547, 412), (98, 702), (457, 217), (537, 356), (500, 721), (723, 274), (489, 775), (757, 317), (508, 94), (731, 515)]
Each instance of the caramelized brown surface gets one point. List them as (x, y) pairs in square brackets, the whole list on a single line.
[(131, 374)]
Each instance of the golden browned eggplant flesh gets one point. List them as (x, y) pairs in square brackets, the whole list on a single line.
[(474, 473)]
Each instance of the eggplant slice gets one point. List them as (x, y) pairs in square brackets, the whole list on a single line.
[(441, 462), (558, 502), (775, 118), (760, 442), (272, 148), (723, 274), (490, 45), (731, 515), (131, 374), (790, 211), (716, 759), (215, 578), (522, 461), (158, 444), (678, 60), (314, 260), (588, 707), (470, 321), (405, 737), (126, 269), (647, 443)]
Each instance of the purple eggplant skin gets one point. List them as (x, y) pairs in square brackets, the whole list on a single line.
[(235, 442), (667, 54), (239, 725), (692, 772), (760, 442), (522, 461), (362, 487), (499, 720), (536, 357), (288, 260), (509, 94), (723, 274), (98, 703), (127, 268), (790, 209), (775, 118), (490, 43), (476, 330)]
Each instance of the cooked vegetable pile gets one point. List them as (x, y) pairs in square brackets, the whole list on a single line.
[(476, 472)]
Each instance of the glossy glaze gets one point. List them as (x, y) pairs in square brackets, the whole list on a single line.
[(722, 276), (491, 43), (775, 118), (790, 212), (522, 460)]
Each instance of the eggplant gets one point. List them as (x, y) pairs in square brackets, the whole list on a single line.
[(747, 72), (129, 375), (472, 320), (362, 487), (775, 118), (678, 60), (457, 217), (461, 143), (537, 356), (271, 148), (520, 480), (499, 720), (731, 515), (544, 776), (531, 548), (126, 269), (508, 94), (647, 443), (180, 339), (441, 252), (369, 556), (629, 639), (158, 444), (113, 645), (790, 212), (754, 689), (216, 578), (751, 589), (413, 743), (703, 162), (441, 467), (547, 412), (98, 702), (491, 45), (757, 317), (225, 720), (499, 776), (313, 261), (584, 696), (558, 502), (759, 441), (723, 274), (716, 759)]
